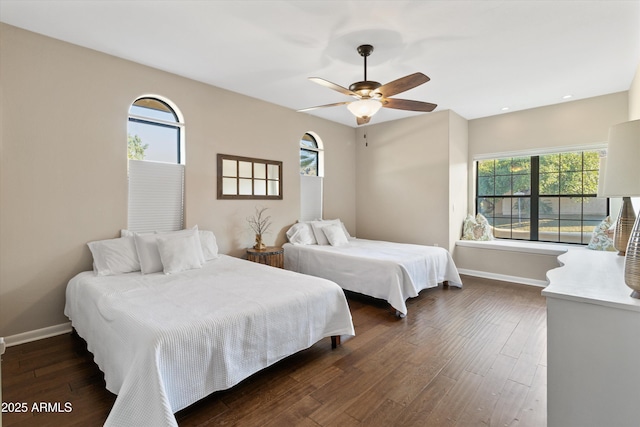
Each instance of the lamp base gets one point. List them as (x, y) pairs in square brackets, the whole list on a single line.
[(624, 225), (632, 261)]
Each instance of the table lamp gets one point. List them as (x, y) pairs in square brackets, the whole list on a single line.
[(621, 178)]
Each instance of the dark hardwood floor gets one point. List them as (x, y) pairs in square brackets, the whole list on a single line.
[(470, 357)]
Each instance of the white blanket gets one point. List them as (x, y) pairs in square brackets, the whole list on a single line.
[(390, 271), (166, 341)]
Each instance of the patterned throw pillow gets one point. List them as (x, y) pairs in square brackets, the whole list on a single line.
[(599, 239), (477, 228)]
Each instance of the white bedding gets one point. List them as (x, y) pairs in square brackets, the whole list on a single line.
[(166, 341), (390, 271)]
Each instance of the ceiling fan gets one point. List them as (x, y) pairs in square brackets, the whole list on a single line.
[(371, 96)]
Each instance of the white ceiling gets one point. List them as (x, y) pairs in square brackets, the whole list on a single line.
[(481, 55)]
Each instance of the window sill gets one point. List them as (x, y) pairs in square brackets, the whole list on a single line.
[(520, 246)]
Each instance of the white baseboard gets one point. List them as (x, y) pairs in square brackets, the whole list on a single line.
[(504, 277), (38, 334)]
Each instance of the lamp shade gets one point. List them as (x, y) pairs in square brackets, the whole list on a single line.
[(621, 176), (364, 107)]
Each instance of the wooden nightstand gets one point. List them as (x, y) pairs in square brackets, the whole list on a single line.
[(271, 255)]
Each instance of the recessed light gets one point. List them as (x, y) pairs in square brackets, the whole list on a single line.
[(504, 108), (567, 96)]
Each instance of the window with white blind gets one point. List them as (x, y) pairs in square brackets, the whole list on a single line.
[(310, 198), (155, 150), (311, 172)]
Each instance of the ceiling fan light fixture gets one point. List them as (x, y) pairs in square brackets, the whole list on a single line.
[(364, 107), (371, 95)]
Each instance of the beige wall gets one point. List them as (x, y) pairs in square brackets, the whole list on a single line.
[(404, 176), (63, 164), (634, 114), (634, 96), (581, 122), (458, 176)]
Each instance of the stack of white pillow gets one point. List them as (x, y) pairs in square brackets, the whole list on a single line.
[(320, 232), (167, 252)]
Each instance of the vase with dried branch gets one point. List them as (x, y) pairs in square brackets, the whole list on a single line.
[(259, 224)]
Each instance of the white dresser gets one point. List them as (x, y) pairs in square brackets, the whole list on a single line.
[(593, 343)]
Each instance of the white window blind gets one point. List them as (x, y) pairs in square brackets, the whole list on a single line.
[(156, 196), (310, 197)]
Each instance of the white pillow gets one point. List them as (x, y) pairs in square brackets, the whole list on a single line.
[(209, 244), (147, 249), (301, 234), (114, 256), (344, 229), (317, 227), (129, 233), (188, 232), (179, 252), (335, 235), (126, 233)]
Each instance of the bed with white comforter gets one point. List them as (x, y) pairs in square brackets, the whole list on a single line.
[(386, 270), (164, 341)]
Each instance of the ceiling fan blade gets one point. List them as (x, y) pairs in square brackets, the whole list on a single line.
[(406, 104), (337, 88), (362, 120), (324, 106), (403, 84)]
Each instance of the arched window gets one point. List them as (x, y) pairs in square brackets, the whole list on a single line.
[(311, 172), (154, 132), (155, 151), (309, 156)]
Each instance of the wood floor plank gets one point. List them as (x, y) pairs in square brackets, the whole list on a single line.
[(514, 346), (482, 404), (532, 351), (405, 384), (384, 415), (508, 406), (338, 395), (533, 413), (296, 415), (263, 409), (453, 404), (423, 405), (461, 357), (485, 359)]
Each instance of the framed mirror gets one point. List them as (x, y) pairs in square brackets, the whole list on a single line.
[(249, 178)]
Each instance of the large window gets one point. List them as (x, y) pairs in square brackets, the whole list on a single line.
[(551, 197), (155, 151)]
